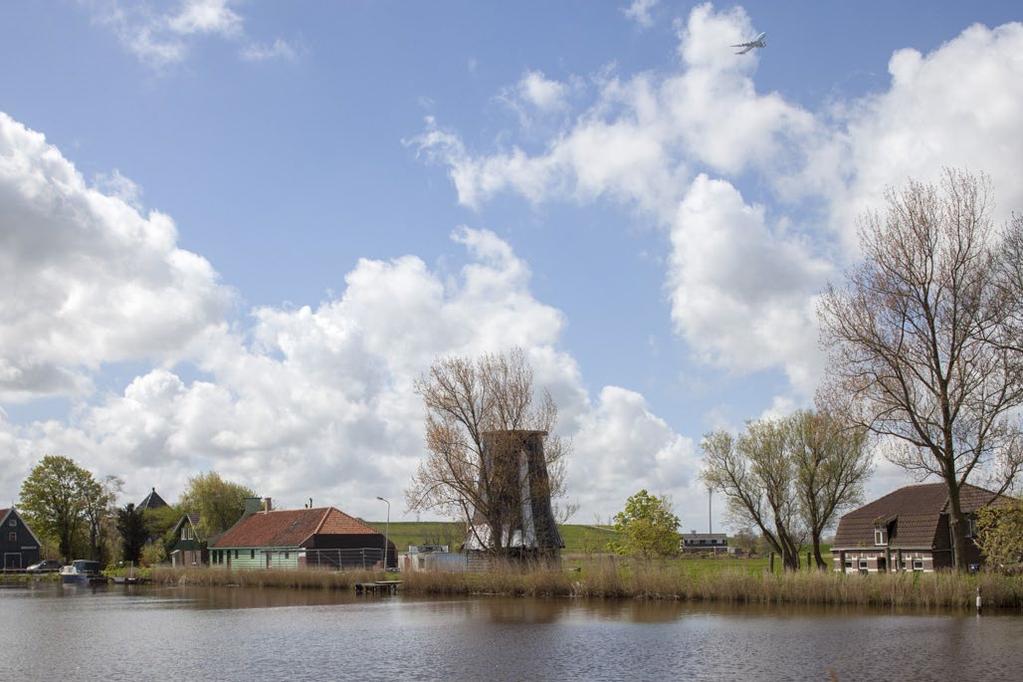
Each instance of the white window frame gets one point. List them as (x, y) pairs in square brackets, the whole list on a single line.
[(880, 537), (917, 567)]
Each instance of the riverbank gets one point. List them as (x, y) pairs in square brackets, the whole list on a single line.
[(653, 582)]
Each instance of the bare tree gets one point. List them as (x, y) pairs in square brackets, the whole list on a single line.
[(465, 399), (831, 462), (916, 339), (757, 477)]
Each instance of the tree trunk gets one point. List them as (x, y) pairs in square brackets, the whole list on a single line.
[(818, 559), (957, 529)]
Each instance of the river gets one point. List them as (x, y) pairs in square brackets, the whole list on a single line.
[(116, 633)]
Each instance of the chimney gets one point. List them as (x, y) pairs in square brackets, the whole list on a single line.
[(252, 505), (267, 506)]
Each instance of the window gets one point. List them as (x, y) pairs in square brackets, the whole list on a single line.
[(12, 522), (186, 533), (236, 554), (863, 566), (12, 536), (286, 555), (918, 564), (252, 554), (971, 526), (881, 536)]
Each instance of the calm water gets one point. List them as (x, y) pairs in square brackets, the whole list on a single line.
[(234, 634)]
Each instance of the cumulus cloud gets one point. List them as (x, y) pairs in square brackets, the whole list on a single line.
[(161, 38), (741, 284), (314, 401), (86, 278), (319, 402), (742, 294)]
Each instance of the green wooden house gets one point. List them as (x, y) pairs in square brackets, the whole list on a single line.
[(298, 538)]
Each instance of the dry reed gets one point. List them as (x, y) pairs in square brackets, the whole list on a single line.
[(610, 579)]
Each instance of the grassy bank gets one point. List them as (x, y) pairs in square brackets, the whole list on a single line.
[(665, 581)]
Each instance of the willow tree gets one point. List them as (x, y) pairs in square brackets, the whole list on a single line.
[(919, 339), (758, 477), (832, 462), (466, 399)]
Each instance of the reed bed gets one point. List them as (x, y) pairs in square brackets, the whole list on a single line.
[(610, 579), (305, 579)]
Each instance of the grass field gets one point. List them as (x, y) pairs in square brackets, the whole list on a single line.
[(579, 538)]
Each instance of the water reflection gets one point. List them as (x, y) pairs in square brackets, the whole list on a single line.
[(233, 634)]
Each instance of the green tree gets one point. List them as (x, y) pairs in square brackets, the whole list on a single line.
[(53, 499), (219, 503), (1000, 534), (647, 527), (131, 525)]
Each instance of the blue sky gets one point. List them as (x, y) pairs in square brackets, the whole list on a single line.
[(287, 141)]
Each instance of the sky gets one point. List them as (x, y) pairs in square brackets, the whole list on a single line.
[(232, 234)]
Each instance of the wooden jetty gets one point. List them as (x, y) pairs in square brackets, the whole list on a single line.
[(378, 587)]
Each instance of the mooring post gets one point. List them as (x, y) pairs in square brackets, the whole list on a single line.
[(772, 562), (980, 602)]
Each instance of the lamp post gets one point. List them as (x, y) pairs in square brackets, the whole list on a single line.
[(387, 529)]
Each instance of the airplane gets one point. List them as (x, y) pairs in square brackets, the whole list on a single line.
[(759, 41)]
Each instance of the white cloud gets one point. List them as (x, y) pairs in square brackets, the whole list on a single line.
[(85, 278), (959, 105), (639, 11), (205, 16), (163, 38), (319, 402), (742, 294), (742, 290), (278, 49), (301, 402), (542, 92)]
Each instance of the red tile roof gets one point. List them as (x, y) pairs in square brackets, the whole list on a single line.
[(290, 528)]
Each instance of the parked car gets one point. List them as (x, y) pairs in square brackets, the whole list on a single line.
[(46, 566)]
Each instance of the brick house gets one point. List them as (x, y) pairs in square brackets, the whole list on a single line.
[(907, 530)]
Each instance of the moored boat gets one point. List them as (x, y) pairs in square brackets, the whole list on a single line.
[(82, 572)]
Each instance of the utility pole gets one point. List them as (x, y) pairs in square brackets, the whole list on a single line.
[(710, 511), (387, 529)]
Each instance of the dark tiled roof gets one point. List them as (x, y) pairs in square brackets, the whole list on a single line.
[(916, 510), (152, 501), (290, 528), (3, 512)]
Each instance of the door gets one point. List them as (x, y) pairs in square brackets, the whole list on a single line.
[(12, 560), (882, 564)]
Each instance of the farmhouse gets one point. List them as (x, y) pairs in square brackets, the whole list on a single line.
[(19, 546), (297, 538), (907, 530)]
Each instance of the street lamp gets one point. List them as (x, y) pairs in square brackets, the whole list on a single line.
[(387, 529)]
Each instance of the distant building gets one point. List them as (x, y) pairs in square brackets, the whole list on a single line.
[(523, 485), (431, 558), (19, 546), (152, 501), (299, 538), (190, 547), (705, 542), (908, 530)]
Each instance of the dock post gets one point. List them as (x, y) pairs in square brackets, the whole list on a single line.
[(772, 563)]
